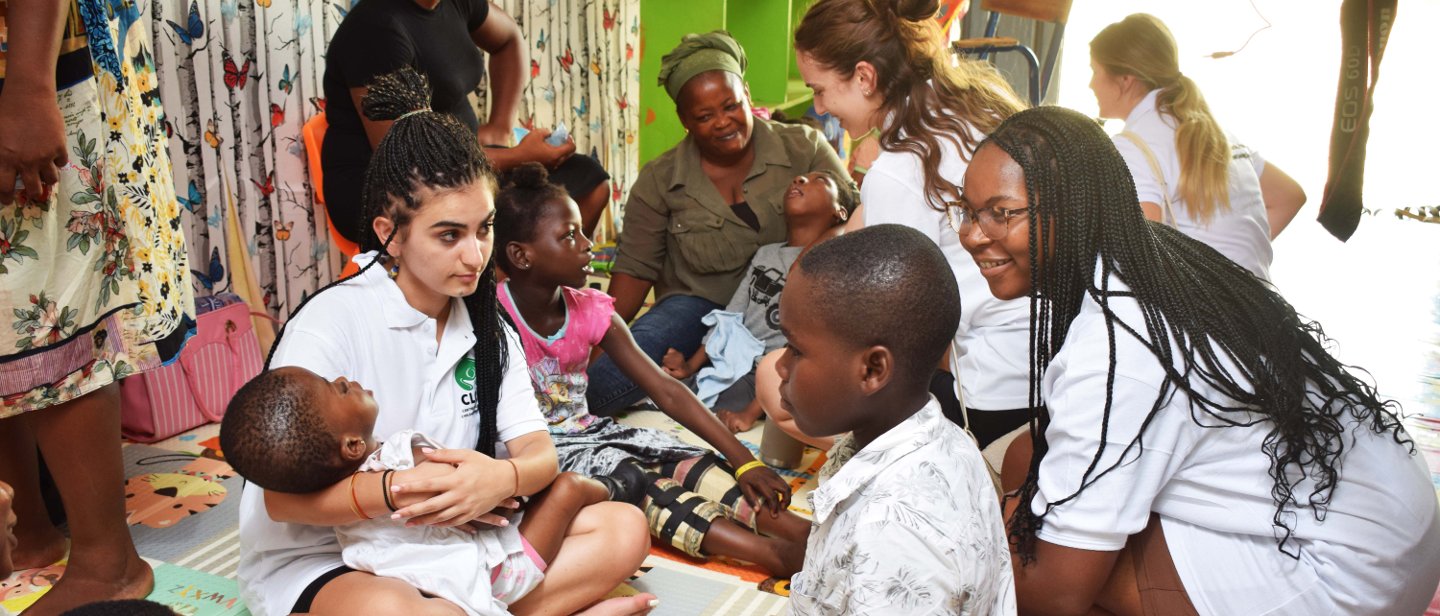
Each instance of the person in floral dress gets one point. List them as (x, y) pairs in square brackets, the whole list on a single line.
[(94, 283)]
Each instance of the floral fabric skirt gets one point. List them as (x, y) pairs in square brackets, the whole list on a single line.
[(94, 281)]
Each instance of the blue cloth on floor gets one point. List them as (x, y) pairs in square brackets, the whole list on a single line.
[(733, 351)]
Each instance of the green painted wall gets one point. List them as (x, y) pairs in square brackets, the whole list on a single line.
[(662, 23)]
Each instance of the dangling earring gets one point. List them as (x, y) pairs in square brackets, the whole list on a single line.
[(394, 271)]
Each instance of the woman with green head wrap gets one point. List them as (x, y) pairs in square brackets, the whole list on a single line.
[(697, 213)]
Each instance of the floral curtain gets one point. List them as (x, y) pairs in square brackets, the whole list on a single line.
[(239, 78), (585, 72)]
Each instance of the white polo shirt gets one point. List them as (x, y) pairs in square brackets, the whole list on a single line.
[(993, 340), (1243, 233), (1374, 553), (364, 330)]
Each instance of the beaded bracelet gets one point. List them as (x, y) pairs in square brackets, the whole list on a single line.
[(355, 501), (747, 467)]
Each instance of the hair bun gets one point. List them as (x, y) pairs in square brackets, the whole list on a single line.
[(527, 176), (395, 94), (916, 10)]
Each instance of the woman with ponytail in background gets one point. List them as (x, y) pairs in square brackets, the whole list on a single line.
[(421, 325), (1189, 174), (882, 65)]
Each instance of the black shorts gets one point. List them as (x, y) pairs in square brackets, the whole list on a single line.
[(302, 605), (986, 425), (579, 174)]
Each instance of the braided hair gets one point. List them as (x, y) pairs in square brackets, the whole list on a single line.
[(1207, 320), (424, 148), (526, 196)]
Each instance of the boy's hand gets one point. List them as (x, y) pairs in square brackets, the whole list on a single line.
[(764, 489)]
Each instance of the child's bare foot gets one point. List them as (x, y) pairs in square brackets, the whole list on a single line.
[(741, 420), (79, 587), (40, 551), (674, 364)]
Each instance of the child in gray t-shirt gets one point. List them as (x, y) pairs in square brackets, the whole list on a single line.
[(816, 207)]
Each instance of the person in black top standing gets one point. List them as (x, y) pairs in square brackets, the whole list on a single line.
[(443, 40)]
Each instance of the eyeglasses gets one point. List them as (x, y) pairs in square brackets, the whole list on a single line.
[(994, 221)]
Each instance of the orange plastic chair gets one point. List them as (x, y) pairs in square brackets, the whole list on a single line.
[(314, 135)]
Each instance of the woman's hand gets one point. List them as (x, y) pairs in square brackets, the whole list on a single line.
[(471, 489), (634, 605), (32, 145), (764, 489), (534, 148)]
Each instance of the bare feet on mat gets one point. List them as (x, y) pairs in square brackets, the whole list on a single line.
[(739, 421), (637, 605), (78, 587)]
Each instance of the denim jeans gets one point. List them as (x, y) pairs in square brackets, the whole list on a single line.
[(672, 323)]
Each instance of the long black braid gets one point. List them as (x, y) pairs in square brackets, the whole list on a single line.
[(1207, 320), (424, 148)]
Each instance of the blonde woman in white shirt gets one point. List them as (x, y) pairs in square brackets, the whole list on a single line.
[(1189, 173)]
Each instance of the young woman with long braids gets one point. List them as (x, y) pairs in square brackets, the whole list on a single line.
[(882, 65), (1188, 172), (1198, 450), (420, 323)]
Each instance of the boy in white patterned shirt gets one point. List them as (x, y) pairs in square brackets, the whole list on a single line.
[(906, 519)]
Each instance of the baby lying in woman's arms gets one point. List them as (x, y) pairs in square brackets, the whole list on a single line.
[(289, 430)]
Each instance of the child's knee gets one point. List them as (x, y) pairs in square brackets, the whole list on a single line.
[(578, 489), (569, 483)]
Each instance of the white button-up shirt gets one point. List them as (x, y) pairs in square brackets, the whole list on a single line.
[(908, 525)]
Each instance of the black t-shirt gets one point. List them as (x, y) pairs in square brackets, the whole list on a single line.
[(378, 37)]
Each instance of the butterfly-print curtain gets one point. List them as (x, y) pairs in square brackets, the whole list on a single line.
[(585, 72), (239, 78)]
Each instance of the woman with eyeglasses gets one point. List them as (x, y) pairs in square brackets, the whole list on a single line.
[(883, 66), (1198, 450)]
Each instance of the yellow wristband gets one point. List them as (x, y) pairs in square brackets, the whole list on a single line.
[(747, 467)]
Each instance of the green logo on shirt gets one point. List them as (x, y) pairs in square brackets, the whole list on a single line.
[(465, 374)]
